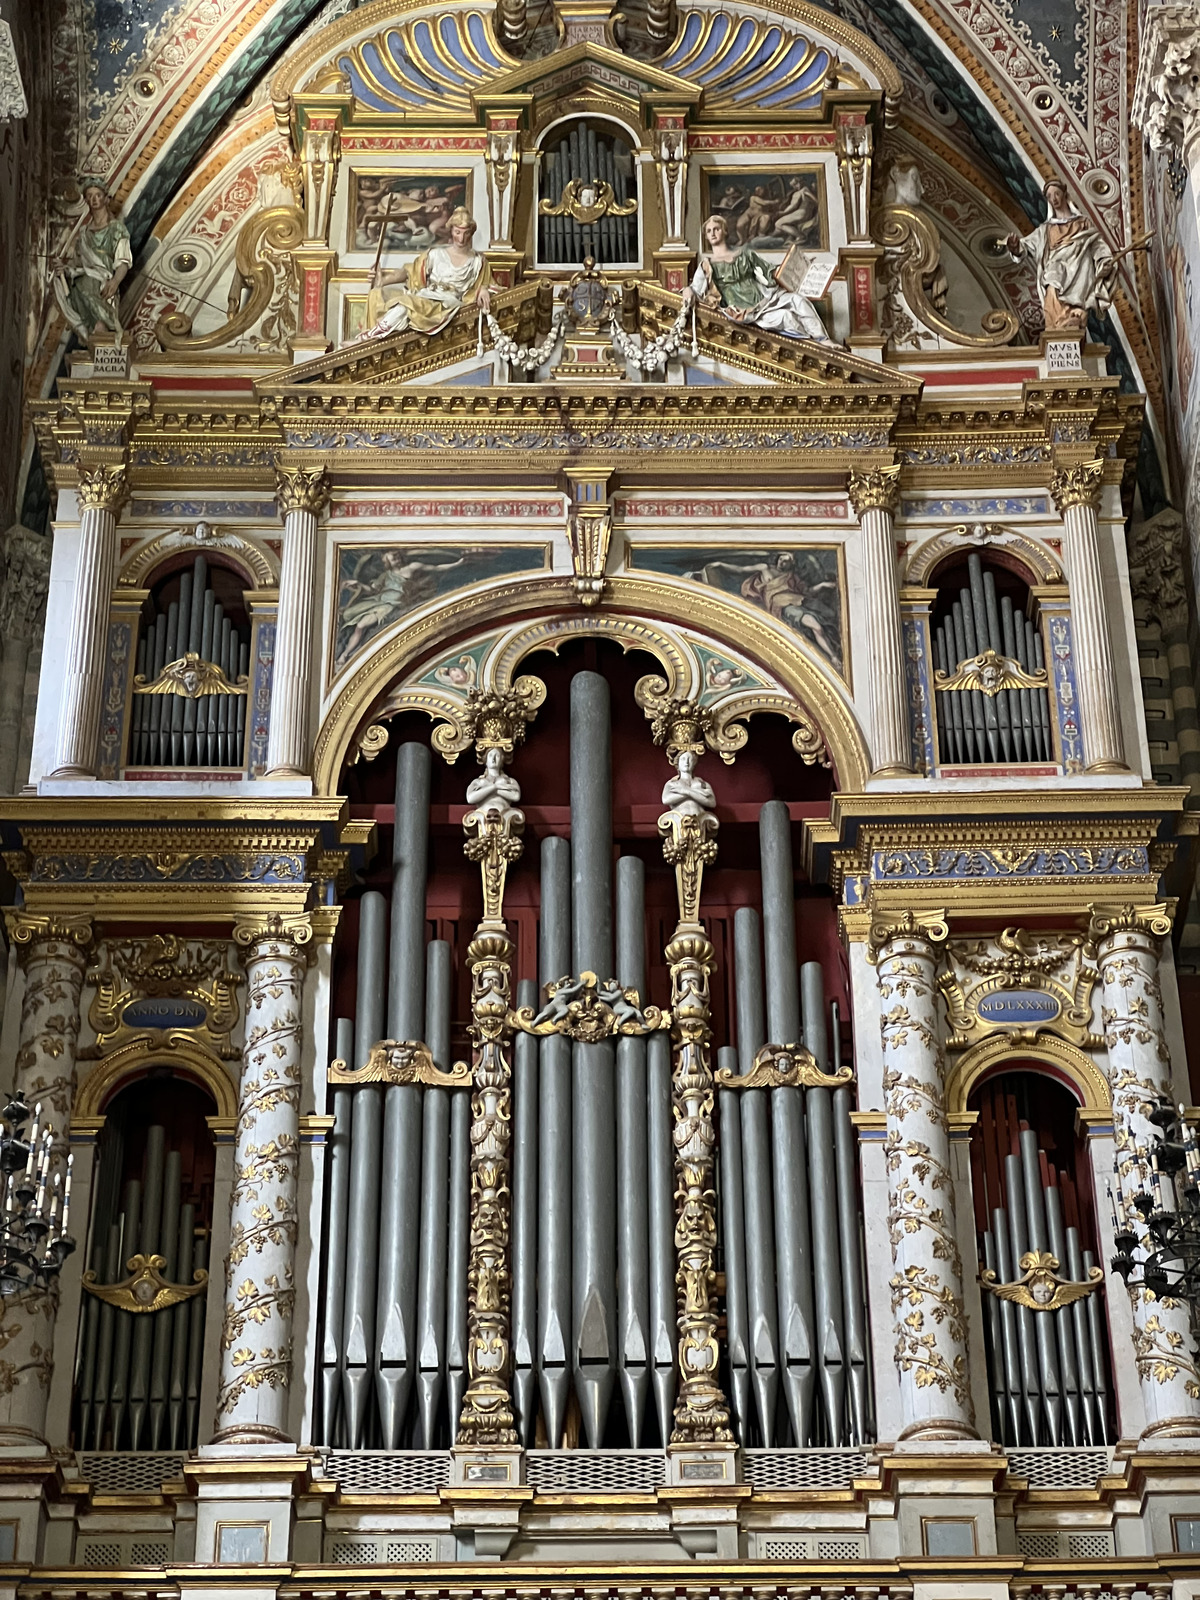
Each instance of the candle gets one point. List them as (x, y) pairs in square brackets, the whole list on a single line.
[(67, 1194), (33, 1139)]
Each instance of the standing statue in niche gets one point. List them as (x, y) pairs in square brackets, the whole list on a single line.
[(1076, 270), (87, 286), (427, 294), (742, 285)]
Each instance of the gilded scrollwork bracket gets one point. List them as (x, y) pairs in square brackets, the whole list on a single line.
[(400, 1061), (145, 1289), (785, 1066)]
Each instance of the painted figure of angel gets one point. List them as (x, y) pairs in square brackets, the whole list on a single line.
[(427, 294), (88, 285), (743, 286)]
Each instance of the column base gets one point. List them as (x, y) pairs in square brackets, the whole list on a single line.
[(939, 1431), (1173, 1433), (252, 1433), (1106, 766), (73, 772), (893, 771)]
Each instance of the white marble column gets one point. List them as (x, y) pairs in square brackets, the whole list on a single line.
[(52, 953), (1076, 493), (928, 1320), (874, 496), (302, 496), (101, 494), (1128, 940), (260, 1290)]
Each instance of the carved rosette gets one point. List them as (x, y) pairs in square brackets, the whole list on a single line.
[(301, 489), (102, 488), (256, 1339), (52, 952), (1128, 941), (927, 1297)]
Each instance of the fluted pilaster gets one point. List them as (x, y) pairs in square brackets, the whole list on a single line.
[(874, 496), (928, 1317), (260, 1293), (302, 496), (52, 953), (1128, 942), (1076, 493), (102, 492)]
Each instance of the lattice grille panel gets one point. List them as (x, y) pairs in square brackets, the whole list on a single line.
[(784, 1550), (371, 1552), (595, 1471), (143, 1553), (841, 1549), (411, 1550), (803, 1469), (1091, 1546), (353, 1552), (389, 1471), (129, 1471), (1058, 1469), (99, 1553), (1040, 1546)]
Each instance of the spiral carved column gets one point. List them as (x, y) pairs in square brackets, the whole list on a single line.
[(1076, 492), (874, 496), (928, 1318), (302, 496), (256, 1340), (1128, 941), (52, 951), (102, 492)]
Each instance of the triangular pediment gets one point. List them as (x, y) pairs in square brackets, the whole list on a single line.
[(594, 66)]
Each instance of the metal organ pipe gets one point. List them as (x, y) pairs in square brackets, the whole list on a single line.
[(854, 1303), (435, 1176), (332, 1350), (554, 1152), (733, 1239), (661, 1214), (633, 1236), (458, 1215), (525, 1221), (827, 1255), (593, 1329)]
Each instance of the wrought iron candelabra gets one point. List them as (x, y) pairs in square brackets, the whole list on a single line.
[(36, 1208), (1156, 1211)]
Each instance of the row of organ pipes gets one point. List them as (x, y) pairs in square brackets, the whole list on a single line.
[(590, 157), (172, 730), (138, 1373), (594, 1309), (1048, 1370), (974, 727)]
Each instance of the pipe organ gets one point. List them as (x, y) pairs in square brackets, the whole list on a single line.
[(593, 1254)]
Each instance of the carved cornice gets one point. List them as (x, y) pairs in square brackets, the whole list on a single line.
[(1166, 99), (1077, 486), (914, 927), (1152, 921), (301, 489), (104, 488), (874, 491)]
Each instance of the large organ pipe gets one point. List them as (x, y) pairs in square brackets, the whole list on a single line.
[(762, 1309), (195, 629), (1096, 1336), (1095, 1427), (633, 1237), (1036, 1236), (525, 1221), (555, 1153), (362, 1228), (148, 1242), (1078, 1423), (1038, 1365), (195, 1347), (106, 1344), (332, 1350), (793, 1233), (854, 1304), (160, 1355), (458, 1214), (999, 1372), (661, 1211), (86, 1362), (399, 1241), (435, 1175), (593, 1330), (1022, 1411), (179, 1315), (733, 1240), (827, 1255)]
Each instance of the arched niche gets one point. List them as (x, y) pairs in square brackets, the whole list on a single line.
[(140, 1056), (1065, 1062), (256, 566), (1035, 560), (681, 629)]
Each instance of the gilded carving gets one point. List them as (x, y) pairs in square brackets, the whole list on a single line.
[(590, 1009), (878, 490), (784, 1066), (145, 1290), (1077, 486), (1039, 1287), (1020, 983), (400, 1061), (162, 971), (103, 488), (302, 489)]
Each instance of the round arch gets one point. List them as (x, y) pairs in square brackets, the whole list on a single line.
[(1065, 1062), (133, 1060), (634, 608)]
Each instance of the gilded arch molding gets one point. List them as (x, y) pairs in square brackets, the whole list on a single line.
[(1043, 565), (256, 563), (1066, 1061), (771, 670), (129, 1061)]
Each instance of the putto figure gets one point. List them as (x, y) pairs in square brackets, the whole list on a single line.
[(87, 285), (427, 294), (742, 285), (1076, 270)]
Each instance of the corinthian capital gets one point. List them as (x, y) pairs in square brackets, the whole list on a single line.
[(874, 491), (917, 927), (102, 488), (301, 489), (1077, 486), (1152, 921), (1166, 100)]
